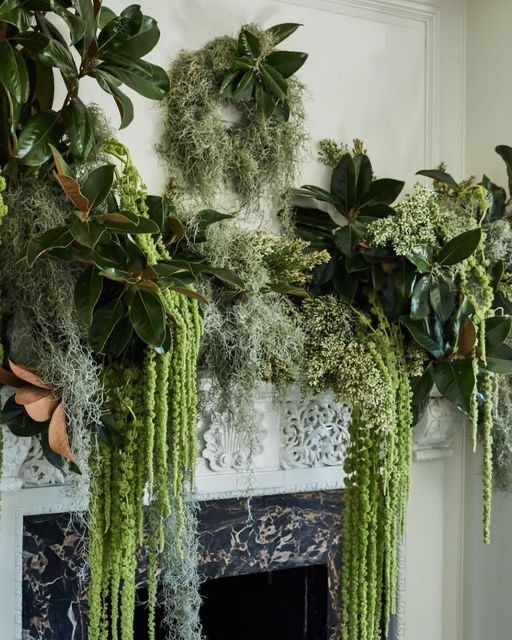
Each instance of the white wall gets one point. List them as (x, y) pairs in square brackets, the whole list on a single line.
[(488, 569)]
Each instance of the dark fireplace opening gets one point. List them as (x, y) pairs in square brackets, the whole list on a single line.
[(289, 604), (286, 604)]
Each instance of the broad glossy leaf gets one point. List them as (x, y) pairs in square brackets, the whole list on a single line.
[(346, 239), (245, 87), (109, 84), (72, 190), (13, 73), (57, 55), (98, 185), (230, 81), (420, 331), (343, 183), (248, 44), (286, 62), (383, 191), (288, 289), (499, 360), (149, 80), (456, 381), (87, 293), (265, 101), (497, 330), (104, 320), (58, 434), (74, 22), (141, 43), (147, 316), (420, 305), (224, 275), (467, 338), (143, 225), (80, 129), (421, 257), (404, 277), (121, 337), (45, 85), (324, 273), (86, 11), (280, 32), (311, 191), (364, 175), (439, 176), (274, 82), (442, 296), (460, 248), (32, 40), (87, 233), (39, 131), (60, 237), (11, 12)]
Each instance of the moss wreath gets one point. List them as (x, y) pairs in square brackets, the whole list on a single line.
[(213, 144)]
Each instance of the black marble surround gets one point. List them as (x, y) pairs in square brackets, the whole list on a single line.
[(283, 531)]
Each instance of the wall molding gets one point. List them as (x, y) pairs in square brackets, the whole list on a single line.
[(425, 14)]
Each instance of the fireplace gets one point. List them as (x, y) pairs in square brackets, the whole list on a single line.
[(280, 559)]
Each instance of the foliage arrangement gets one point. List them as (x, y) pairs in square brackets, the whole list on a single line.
[(101, 324), (102, 332), (234, 117), (412, 296)]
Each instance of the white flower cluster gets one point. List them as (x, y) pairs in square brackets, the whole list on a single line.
[(415, 223)]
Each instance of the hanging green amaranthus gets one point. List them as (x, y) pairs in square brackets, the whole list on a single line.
[(377, 485), (154, 406)]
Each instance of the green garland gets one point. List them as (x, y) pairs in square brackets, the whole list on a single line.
[(377, 487), (154, 404)]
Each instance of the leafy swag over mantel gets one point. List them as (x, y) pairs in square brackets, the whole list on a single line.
[(104, 323)]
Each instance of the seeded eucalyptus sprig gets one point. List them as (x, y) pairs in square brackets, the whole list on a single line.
[(96, 43), (261, 74)]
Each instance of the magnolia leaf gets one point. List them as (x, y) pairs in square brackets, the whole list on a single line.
[(343, 183), (224, 275), (33, 144), (248, 44), (121, 337), (497, 330), (190, 293), (87, 233), (39, 403), (421, 257), (28, 375), (245, 87), (104, 320), (460, 248), (18, 421), (280, 32), (71, 188), (420, 307), (439, 176), (467, 338), (13, 73), (58, 435), (286, 62), (383, 191), (456, 381), (80, 129), (274, 81), (499, 360), (147, 316), (88, 289), (98, 184), (419, 330), (149, 80), (442, 296)]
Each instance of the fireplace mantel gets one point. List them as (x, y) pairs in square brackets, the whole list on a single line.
[(301, 447)]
